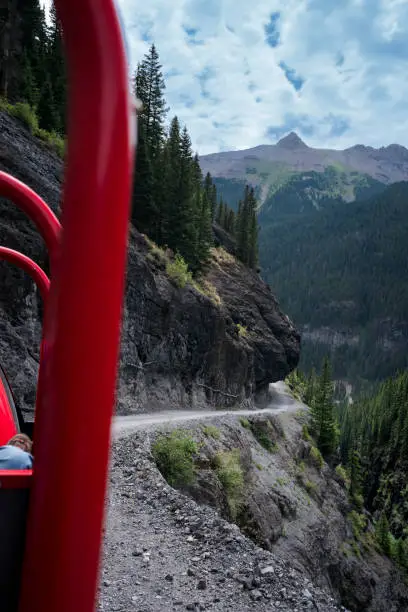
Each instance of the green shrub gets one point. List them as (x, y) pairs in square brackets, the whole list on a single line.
[(262, 437), (316, 457), (52, 139), (205, 287), (174, 457), (358, 500), (4, 105), (301, 466), (211, 432), (358, 523), (179, 272), (342, 474), (25, 114), (242, 330), (229, 471), (310, 487), (245, 423), (305, 433)]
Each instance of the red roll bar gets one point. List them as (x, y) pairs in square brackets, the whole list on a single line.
[(38, 211), (28, 265), (75, 399)]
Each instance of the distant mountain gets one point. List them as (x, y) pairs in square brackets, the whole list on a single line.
[(265, 162), (292, 178), (341, 276)]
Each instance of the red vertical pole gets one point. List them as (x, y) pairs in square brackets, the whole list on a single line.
[(82, 326)]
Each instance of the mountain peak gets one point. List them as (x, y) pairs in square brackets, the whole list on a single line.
[(291, 141)]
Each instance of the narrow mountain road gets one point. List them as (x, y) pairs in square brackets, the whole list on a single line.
[(281, 401)]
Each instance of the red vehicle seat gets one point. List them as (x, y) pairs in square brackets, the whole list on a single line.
[(14, 496)]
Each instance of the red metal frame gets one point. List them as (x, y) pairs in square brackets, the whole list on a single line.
[(8, 427), (75, 401), (40, 213), (28, 265), (15, 479)]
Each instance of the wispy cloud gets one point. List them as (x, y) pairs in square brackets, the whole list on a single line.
[(242, 73)]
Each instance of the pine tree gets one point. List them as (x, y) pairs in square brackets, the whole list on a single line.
[(243, 227), (170, 182), (382, 531), (355, 478), (10, 48), (324, 424), (28, 89), (230, 221), (310, 388), (213, 201), (185, 221), (149, 87), (47, 113), (252, 232), (57, 70), (204, 238), (144, 210), (34, 39), (402, 553)]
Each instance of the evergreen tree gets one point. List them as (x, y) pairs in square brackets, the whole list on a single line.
[(243, 227), (10, 47), (28, 89), (171, 180), (324, 426), (382, 531), (310, 388), (356, 478), (48, 118), (247, 229), (230, 221), (149, 87), (220, 210), (57, 70), (213, 200), (34, 41), (185, 219), (253, 232), (402, 553), (204, 238), (144, 211)]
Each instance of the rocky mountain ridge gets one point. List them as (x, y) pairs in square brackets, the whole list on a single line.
[(386, 164)]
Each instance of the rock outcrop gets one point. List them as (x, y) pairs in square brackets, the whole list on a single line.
[(219, 341)]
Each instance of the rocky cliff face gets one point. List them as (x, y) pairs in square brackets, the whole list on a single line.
[(217, 342)]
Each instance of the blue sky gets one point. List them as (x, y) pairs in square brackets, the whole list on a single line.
[(241, 73)]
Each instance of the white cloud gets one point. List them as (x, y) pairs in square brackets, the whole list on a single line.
[(352, 58)]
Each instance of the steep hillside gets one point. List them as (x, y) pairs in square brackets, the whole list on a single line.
[(261, 474), (217, 341), (341, 276)]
